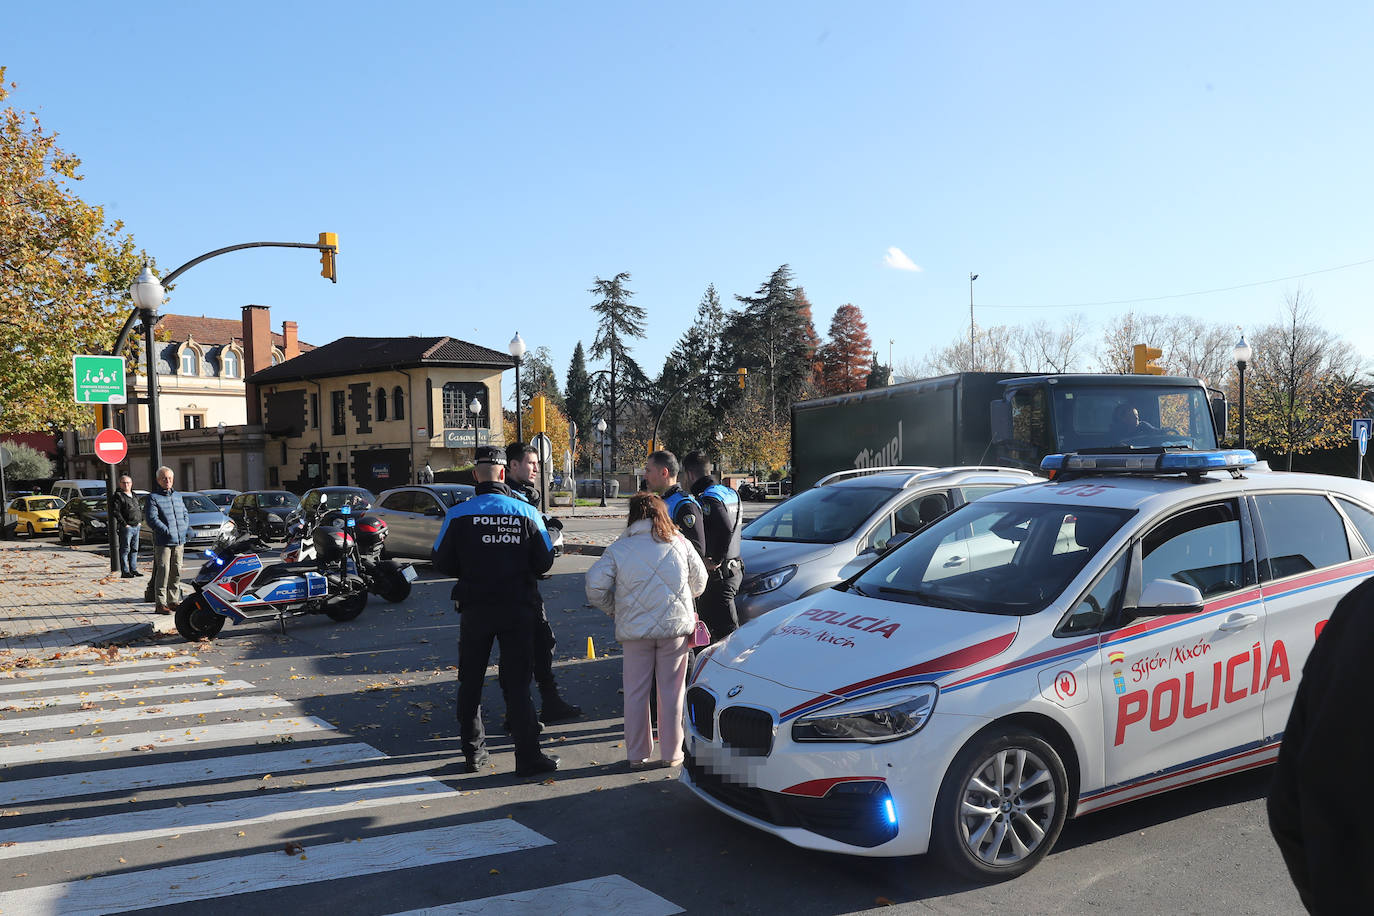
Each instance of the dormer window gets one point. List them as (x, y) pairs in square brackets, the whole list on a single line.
[(229, 361), (190, 362)]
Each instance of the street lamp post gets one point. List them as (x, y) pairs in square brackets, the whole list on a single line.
[(1242, 352), (222, 475), (601, 436), (971, 278), (147, 293), (475, 408), (517, 351)]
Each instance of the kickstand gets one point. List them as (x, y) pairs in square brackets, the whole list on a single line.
[(281, 622)]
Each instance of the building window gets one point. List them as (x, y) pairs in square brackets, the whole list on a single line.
[(336, 402), (314, 410), (276, 357), (192, 420), (398, 404), (458, 412), (381, 403), (229, 360), (190, 363)]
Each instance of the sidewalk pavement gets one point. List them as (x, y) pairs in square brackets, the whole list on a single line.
[(54, 598)]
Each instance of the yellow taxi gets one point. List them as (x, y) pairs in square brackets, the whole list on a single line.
[(33, 515)]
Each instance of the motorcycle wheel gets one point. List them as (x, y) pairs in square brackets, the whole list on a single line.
[(389, 584), (195, 621), (349, 608)]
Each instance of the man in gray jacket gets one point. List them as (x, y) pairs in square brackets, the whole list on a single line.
[(167, 517)]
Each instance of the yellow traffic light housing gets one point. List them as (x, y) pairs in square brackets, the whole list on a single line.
[(329, 247), (539, 414), (743, 375), (1143, 360)]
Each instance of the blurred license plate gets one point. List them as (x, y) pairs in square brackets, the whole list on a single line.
[(409, 573)]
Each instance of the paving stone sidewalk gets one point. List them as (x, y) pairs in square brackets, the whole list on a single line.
[(55, 598)]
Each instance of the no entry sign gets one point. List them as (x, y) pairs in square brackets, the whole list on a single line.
[(110, 446)]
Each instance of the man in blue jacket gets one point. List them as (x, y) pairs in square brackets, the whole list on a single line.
[(723, 516), (166, 514), (496, 545)]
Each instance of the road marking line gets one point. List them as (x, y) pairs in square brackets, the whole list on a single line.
[(161, 775), (592, 897), (37, 674), (132, 693), (166, 711), (165, 739), (150, 823), (222, 877), (31, 686)]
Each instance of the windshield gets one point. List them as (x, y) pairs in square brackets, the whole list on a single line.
[(49, 502), (220, 499), (278, 500), (198, 502), (93, 490), (821, 515), (1133, 416), (994, 558)]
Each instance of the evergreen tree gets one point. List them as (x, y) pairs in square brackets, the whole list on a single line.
[(579, 397), (620, 320), (879, 376), (774, 334), (537, 377), (701, 361)]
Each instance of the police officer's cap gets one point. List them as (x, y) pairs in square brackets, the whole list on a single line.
[(490, 454)]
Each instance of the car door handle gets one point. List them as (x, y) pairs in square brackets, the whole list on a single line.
[(1237, 622), (954, 561)]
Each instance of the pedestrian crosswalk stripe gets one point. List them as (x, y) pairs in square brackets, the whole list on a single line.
[(164, 711), (167, 738), (148, 823), (114, 696), (102, 681), (158, 775), (37, 674), (592, 897), (211, 879)]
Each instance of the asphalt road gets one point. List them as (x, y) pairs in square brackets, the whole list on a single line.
[(387, 681)]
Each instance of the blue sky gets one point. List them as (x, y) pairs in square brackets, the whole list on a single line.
[(481, 164)]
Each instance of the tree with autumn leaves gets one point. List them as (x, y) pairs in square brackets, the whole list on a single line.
[(846, 359), (64, 273)]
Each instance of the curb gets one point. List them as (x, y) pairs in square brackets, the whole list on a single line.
[(128, 634), (585, 550)]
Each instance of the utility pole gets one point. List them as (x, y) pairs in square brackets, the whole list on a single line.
[(971, 278)]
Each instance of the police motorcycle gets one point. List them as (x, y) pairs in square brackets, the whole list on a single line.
[(384, 578)]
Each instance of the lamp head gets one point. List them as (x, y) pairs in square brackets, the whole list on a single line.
[(146, 290), (1242, 351), (517, 346)]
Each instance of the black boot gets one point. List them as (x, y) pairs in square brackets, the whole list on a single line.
[(475, 762), (557, 709), (537, 765)]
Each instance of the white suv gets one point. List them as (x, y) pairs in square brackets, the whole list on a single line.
[(850, 518)]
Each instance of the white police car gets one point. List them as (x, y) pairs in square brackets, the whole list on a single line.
[(1136, 625)]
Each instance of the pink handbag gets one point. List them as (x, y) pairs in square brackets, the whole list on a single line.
[(701, 636)]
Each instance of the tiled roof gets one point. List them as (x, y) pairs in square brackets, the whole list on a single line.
[(211, 331), (349, 355)]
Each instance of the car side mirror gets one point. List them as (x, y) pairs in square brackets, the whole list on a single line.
[(1168, 596), (898, 540)]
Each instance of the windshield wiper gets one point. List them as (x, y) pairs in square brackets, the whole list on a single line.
[(933, 598)]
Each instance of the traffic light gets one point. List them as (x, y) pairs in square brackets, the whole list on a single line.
[(743, 374), (1144, 360), (538, 414), (330, 239)]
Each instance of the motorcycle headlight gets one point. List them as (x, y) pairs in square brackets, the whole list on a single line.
[(767, 582), (873, 719), (226, 526)]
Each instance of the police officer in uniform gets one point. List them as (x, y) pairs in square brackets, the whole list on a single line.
[(660, 471), (723, 514), (522, 467), (497, 547)]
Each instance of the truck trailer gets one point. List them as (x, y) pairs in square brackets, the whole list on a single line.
[(1000, 418)]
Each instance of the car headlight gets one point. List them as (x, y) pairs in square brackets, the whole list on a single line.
[(767, 582), (97, 523), (883, 717)]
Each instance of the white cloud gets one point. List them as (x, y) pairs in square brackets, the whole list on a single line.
[(897, 260)]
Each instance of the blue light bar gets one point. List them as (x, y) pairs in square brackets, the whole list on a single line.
[(1186, 462), (891, 811)]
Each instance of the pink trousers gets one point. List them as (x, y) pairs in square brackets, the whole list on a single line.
[(644, 660)]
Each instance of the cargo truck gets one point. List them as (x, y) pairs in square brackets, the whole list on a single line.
[(999, 418)]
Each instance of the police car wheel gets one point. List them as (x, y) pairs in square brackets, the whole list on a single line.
[(1001, 806), (195, 621)]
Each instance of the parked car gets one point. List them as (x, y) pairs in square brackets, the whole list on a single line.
[(82, 518), (207, 521), (220, 497), (357, 498), (413, 515), (32, 515), (845, 522), (263, 513), (67, 490)]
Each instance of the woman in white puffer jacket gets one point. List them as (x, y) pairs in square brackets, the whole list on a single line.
[(646, 580)]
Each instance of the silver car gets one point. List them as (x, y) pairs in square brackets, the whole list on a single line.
[(827, 533), (207, 521), (413, 515)]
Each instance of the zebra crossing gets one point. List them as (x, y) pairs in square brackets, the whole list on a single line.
[(157, 781)]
